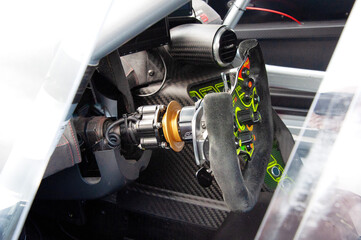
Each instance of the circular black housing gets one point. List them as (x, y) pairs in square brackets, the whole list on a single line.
[(203, 44)]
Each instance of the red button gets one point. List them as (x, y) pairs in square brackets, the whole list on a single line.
[(249, 84)]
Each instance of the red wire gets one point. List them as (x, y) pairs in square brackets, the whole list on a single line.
[(273, 11)]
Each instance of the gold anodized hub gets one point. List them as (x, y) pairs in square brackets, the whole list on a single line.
[(170, 126)]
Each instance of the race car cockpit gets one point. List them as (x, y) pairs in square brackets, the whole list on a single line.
[(178, 129)]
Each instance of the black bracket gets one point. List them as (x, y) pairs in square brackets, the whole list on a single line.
[(115, 171)]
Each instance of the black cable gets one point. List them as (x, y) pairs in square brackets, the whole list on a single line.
[(133, 119), (113, 138), (128, 128), (163, 81)]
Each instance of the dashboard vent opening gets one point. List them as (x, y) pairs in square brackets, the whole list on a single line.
[(227, 46)]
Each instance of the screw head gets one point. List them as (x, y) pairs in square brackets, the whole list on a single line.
[(151, 73), (230, 3), (163, 145)]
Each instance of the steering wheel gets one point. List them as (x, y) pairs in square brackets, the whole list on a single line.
[(240, 131)]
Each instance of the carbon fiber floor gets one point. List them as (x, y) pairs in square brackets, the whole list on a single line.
[(176, 172), (165, 204)]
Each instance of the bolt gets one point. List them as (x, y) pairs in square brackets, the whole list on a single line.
[(140, 110), (203, 124), (163, 145), (158, 125), (247, 97), (151, 73), (230, 3), (162, 107)]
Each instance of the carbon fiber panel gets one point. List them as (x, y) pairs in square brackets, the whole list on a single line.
[(167, 169), (171, 205)]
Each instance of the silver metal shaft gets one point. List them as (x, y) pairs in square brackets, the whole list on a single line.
[(235, 13)]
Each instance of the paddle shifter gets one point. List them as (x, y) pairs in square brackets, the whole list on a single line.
[(239, 130), (232, 130)]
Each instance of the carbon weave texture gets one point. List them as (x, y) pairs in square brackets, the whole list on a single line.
[(166, 204), (168, 169)]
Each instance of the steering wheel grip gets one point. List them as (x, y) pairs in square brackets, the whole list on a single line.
[(240, 190)]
